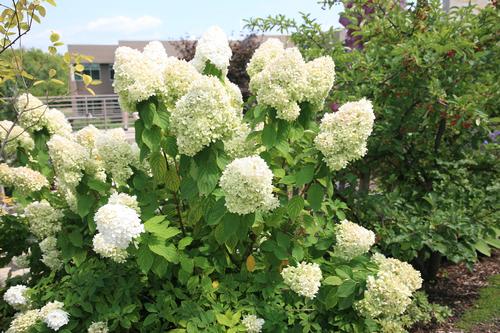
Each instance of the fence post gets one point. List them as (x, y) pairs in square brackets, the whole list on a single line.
[(105, 114)]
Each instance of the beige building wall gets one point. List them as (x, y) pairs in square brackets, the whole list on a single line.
[(447, 4)]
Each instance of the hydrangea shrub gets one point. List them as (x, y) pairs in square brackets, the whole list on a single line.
[(221, 217)]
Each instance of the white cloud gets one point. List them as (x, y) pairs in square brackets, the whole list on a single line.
[(124, 24)]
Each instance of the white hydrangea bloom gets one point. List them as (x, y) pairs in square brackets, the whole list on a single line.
[(343, 134), (204, 115), (155, 52), (56, 319), (178, 76), (263, 55), (213, 46), (54, 316), (50, 253), (107, 250), (16, 296), (34, 116), (305, 279), (31, 112), (238, 145), (320, 78), (353, 240), (24, 321), (137, 77), (281, 83), (51, 306), (126, 200), (24, 179), (117, 154), (118, 224), (18, 137), (98, 327), (388, 294), (87, 136), (43, 219), (247, 185), (57, 123), (253, 324), (68, 159)]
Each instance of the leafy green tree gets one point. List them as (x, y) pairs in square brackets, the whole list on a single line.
[(38, 63), (433, 77)]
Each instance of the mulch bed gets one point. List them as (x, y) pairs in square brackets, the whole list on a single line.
[(458, 288)]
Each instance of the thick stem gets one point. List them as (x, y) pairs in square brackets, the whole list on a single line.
[(176, 199)]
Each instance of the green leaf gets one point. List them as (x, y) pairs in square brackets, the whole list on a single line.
[(315, 196), (332, 281), (152, 137), (185, 242), (147, 113), (144, 259), (211, 69), (346, 288), (305, 175), (169, 144), (76, 238), (208, 172), (158, 166), (168, 252), (298, 252), (269, 135), (84, 203), (217, 212), (227, 228), (295, 206), (172, 180), (483, 247)]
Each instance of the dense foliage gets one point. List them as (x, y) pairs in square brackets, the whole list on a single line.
[(38, 64), (429, 182), (214, 221)]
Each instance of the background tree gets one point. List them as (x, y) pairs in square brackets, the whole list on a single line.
[(428, 184)]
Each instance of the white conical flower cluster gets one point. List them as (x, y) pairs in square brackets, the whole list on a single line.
[(247, 186), (204, 115), (388, 294), (213, 46), (281, 78), (51, 256), (98, 327), (253, 324), (24, 179), (343, 134), (35, 116), (43, 219), (305, 279), (138, 75), (18, 137), (352, 240)]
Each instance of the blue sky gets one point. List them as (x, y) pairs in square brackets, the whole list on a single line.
[(107, 21)]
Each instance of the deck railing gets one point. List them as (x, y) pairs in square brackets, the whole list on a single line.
[(102, 111)]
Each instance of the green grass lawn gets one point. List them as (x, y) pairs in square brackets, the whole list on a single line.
[(486, 308)]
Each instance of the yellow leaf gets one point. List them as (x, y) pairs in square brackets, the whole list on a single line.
[(215, 284), (54, 37), (67, 57), (250, 263), (86, 79), (57, 81), (52, 72), (38, 82), (90, 91), (95, 82), (79, 67)]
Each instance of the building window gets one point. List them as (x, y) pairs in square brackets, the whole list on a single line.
[(93, 70), (111, 72)]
